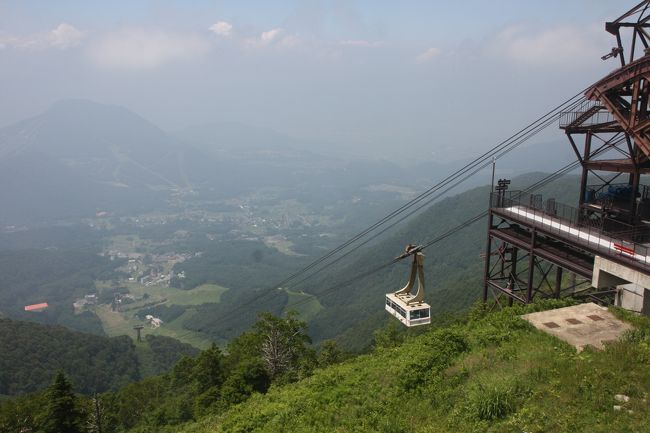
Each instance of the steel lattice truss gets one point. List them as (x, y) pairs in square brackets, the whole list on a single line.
[(610, 135)]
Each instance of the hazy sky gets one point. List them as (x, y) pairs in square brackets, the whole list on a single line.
[(431, 78)]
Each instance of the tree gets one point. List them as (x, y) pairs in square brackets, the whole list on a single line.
[(283, 344), (16, 416), (249, 376), (208, 369), (388, 336), (329, 353), (96, 417), (62, 414), (208, 374), (243, 347)]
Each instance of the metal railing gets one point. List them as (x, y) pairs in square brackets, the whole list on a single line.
[(598, 115), (618, 197), (623, 190), (608, 236)]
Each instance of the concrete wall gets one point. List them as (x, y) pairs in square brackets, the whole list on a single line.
[(633, 286), (630, 297)]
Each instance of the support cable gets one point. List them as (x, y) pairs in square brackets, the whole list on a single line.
[(537, 185), (553, 114), (457, 181), (457, 177)]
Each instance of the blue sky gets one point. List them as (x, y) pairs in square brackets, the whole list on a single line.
[(439, 78)]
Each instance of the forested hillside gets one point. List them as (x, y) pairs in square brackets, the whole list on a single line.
[(276, 352), (33, 353), (489, 372)]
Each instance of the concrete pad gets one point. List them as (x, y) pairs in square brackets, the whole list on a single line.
[(580, 325)]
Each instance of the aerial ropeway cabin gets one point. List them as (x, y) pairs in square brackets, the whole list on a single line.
[(408, 308)]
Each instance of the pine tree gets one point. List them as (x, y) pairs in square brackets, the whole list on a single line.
[(62, 414)]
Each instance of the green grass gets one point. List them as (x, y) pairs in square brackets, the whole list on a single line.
[(494, 374), (122, 323), (175, 329), (281, 244), (197, 296), (308, 306), (115, 323)]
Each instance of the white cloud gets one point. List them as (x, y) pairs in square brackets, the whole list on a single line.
[(427, 55), (267, 38), (64, 36), (9, 41), (144, 49), (563, 45), (275, 37), (361, 43), (222, 28)]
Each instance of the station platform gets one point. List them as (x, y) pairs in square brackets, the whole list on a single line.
[(591, 239)]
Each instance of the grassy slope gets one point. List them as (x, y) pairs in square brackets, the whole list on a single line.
[(306, 305), (492, 374)]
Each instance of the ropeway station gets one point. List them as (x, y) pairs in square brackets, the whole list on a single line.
[(548, 249), (598, 249)]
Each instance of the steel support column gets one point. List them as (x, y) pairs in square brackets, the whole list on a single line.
[(531, 267), (488, 254)]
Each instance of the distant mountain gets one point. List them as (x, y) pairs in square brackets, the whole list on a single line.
[(248, 139), (80, 157), (235, 136)]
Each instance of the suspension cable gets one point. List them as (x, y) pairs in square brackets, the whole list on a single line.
[(422, 200)]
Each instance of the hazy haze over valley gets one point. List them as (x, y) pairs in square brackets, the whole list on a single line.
[(212, 148), (390, 80), (203, 201)]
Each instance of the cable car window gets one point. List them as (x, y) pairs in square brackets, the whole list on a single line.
[(420, 314)]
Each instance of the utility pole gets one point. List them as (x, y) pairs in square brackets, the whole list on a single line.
[(138, 329), (494, 164)]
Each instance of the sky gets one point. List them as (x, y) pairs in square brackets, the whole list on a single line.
[(403, 80)]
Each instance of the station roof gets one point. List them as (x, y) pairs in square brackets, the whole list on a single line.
[(36, 307)]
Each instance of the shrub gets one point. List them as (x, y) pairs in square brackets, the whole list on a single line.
[(434, 353), (495, 398), (490, 402)]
